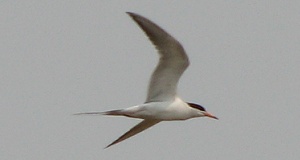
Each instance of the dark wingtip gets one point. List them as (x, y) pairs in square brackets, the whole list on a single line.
[(107, 146), (134, 16), (114, 142), (131, 14)]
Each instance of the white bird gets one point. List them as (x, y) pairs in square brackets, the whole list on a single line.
[(162, 103)]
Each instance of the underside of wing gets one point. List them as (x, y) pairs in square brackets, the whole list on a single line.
[(135, 130), (172, 63)]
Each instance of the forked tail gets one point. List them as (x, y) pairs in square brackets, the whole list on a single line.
[(118, 112)]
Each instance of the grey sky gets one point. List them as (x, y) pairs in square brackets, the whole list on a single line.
[(62, 57)]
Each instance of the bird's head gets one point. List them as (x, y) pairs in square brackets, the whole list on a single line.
[(201, 112)]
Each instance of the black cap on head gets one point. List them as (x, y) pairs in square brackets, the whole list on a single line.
[(196, 106)]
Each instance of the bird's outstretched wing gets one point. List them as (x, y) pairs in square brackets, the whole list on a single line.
[(135, 130), (172, 63)]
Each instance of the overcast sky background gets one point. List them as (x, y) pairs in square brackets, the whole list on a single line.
[(63, 57)]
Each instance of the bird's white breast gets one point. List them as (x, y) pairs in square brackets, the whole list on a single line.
[(165, 111)]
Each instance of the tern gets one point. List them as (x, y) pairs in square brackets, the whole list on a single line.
[(162, 102)]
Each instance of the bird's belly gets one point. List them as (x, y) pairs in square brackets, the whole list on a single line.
[(164, 113), (173, 115)]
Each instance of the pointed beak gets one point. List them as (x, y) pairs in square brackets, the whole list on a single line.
[(210, 115)]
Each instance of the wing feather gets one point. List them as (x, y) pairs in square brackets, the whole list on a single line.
[(135, 130), (172, 62)]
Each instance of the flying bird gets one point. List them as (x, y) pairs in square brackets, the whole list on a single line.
[(162, 102)]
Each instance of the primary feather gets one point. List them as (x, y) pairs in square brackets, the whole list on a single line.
[(172, 63)]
